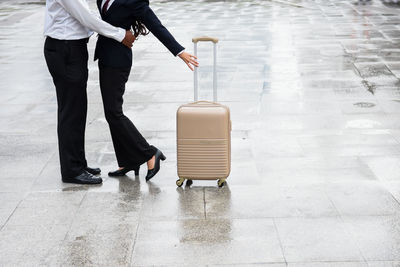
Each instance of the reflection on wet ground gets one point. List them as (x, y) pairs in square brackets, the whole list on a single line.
[(314, 92)]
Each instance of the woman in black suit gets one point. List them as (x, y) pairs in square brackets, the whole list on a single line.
[(115, 62)]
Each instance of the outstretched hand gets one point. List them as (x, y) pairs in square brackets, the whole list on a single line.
[(189, 60), (129, 39)]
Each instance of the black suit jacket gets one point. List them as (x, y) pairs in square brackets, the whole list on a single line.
[(122, 13)]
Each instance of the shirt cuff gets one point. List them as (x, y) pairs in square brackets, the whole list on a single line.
[(121, 35), (180, 52)]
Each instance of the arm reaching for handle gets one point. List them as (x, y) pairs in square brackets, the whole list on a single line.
[(189, 59), (145, 14)]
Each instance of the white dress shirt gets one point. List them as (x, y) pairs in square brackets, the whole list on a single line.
[(73, 20)]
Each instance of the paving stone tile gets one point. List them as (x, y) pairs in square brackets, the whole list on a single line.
[(10, 200), (100, 245), (267, 201), (252, 264), (173, 203), (383, 263), (31, 167), (365, 198), (385, 168), (42, 216), (52, 199), (377, 236), (316, 239), (15, 184), (311, 175), (329, 264), (108, 207), (217, 241), (4, 215), (29, 244), (46, 209), (393, 188)]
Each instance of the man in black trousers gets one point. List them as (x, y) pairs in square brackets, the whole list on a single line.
[(68, 27)]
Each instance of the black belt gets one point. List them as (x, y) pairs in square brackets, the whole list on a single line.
[(79, 41)]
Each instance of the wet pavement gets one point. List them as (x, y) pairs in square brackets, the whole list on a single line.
[(314, 92)]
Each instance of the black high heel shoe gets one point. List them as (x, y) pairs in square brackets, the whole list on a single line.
[(159, 156), (124, 171)]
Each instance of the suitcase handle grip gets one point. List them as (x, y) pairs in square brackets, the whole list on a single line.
[(205, 39), (202, 102), (195, 40)]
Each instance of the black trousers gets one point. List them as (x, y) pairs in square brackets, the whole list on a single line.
[(131, 148), (67, 63)]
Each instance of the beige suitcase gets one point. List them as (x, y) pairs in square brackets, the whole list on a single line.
[(203, 135)]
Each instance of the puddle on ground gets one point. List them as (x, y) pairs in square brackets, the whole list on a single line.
[(364, 105), (34, 3)]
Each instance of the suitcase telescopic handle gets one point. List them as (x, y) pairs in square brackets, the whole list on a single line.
[(195, 40), (205, 39)]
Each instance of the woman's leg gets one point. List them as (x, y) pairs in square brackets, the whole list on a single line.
[(131, 148)]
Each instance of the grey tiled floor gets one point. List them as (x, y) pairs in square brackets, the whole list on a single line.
[(314, 92)]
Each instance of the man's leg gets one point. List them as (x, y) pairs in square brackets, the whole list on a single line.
[(67, 63)]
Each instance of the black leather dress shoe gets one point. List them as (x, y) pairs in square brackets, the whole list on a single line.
[(84, 178), (124, 171), (93, 171), (159, 156)]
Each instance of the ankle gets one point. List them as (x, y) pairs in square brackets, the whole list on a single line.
[(150, 163)]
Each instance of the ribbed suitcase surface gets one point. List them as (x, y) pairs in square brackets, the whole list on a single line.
[(203, 141)]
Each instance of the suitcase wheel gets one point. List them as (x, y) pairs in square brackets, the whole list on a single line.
[(189, 182), (221, 182), (179, 182)]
